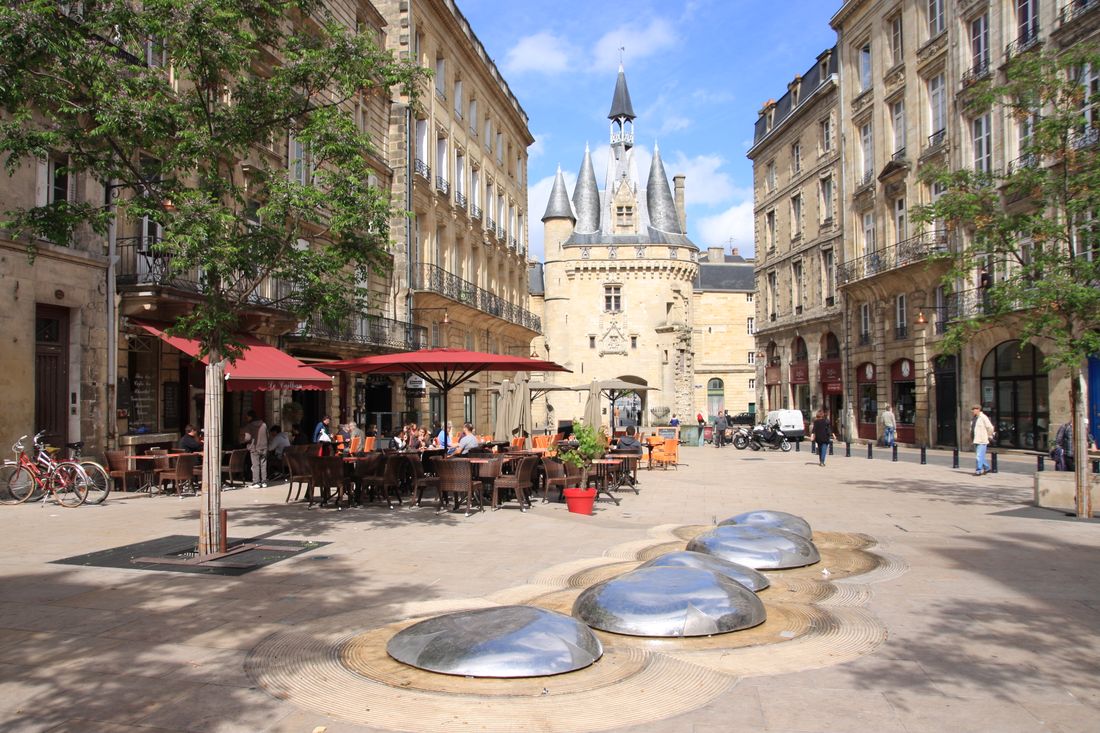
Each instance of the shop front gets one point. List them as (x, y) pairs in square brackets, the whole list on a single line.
[(903, 394), (830, 374), (867, 396), (773, 382), (800, 388)]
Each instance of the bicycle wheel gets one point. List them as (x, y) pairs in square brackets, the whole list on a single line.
[(17, 485), (69, 484), (99, 482)]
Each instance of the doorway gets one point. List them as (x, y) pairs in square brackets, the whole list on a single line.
[(51, 373), (947, 399)]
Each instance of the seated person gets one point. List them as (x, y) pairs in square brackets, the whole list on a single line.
[(466, 443), (190, 442), (277, 443), (397, 442), (628, 441)]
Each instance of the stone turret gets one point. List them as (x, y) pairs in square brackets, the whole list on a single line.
[(662, 207), (559, 218), (586, 197)]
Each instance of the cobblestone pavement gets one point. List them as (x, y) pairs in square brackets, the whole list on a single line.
[(995, 626)]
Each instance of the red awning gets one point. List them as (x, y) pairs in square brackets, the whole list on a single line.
[(259, 368)]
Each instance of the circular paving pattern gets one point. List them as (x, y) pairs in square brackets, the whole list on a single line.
[(814, 620)]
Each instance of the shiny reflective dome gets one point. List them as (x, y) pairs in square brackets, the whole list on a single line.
[(761, 548), (669, 601), (770, 518), (744, 575), (507, 641)]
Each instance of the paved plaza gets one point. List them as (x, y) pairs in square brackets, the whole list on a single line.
[(990, 620)]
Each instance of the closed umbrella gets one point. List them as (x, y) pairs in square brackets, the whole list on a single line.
[(522, 412), (501, 428), (592, 406)]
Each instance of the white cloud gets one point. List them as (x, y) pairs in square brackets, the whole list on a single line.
[(706, 183), (735, 222), (542, 53), (538, 194), (639, 42), (538, 147), (673, 123)]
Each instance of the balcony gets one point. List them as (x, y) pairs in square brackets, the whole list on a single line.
[(513, 244), (437, 280), (865, 339), (500, 233), (906, 252), (1026, 161), (140, 265), (901, 332), (899, 155), (1084, 138), (442, 185), (422, 169), (373, 331), (460, 200), (866, 179), (475, 212), (490, 225), (1075, 9), (1025, 41), (935, 141), (978, 71)]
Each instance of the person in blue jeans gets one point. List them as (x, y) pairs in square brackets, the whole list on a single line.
[(823, 435), (889, 427), (982, 429)]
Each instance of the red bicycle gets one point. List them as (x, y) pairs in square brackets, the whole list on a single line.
[(23, 478)]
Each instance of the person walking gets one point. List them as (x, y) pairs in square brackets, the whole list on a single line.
[(822, 430), (981, 428), (889, 426), (255, 437), (721, 424)]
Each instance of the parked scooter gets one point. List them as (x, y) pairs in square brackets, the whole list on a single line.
[(771, 438), (741, 437)]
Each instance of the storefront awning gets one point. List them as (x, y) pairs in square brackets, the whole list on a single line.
[(259, 368)]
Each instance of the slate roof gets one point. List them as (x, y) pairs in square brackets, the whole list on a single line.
[(811, 80), (620, 102), (729, 277)]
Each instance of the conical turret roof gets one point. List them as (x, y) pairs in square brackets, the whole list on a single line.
[(662, 207), (586, 197), (620, 102), (559, 206)]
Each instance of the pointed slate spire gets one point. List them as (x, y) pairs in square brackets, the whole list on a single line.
[(620, 102), (586, 197), (559, 207), (659, 201)]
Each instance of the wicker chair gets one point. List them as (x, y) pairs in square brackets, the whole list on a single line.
[(297, 464), (328, 473), (457, 477), (421, 481), (556, 478), (388, 482), (116, 463), (519, 482), (236, 465), (182, 474)]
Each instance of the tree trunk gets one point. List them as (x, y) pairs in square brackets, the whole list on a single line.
[(210, 508), (1080, 445)]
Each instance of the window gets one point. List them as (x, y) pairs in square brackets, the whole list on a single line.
[(796, 285), (1090, 103), (828, 275), (901, 317), (624, 216), (796, 158), (979, 45), (896, 36), (748, 297), (769, 230), (458, 103), (937, 103), (716, 396), (58, 181), (473, 117), (422, 141), (752, 357), (865, 70), (441, 76), (500, 147), (773, 294), (901, 226), (769, 176), (1027, 20), (826, 187), (612, 298), (750, 325), (441, 159), (826, 135), (867, 150), (469, 403), (864, 321), (796, 215), (591, 342), (475, 187), (752, 384), (897, 114), (935, 18), (300, 161), (983, 140), (437, 337), (488, 133), (633, 342), (868, 233)]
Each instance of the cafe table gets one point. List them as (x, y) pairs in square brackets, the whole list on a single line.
[(603, 471)]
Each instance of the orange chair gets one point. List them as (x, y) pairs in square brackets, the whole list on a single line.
[(368, 444), (356, 443), (520, 443), (486, 438)]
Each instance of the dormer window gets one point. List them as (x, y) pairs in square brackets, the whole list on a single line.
[(624, 216)]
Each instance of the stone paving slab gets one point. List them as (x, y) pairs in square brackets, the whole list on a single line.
[(994, 627)]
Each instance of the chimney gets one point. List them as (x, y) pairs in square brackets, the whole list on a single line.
[(735, 252), (678, 182), (715, 254)]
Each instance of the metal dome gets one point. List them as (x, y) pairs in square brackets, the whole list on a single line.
[(507, 641), (744, 575), (669, 601), (770, 518), (762, 548)]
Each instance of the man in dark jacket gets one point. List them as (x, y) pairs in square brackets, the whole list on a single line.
[(721, 424), (255, 438)]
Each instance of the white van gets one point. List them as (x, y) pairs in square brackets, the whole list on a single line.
[(790, 422)]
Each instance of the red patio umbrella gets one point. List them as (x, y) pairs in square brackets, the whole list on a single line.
[(444, 369)]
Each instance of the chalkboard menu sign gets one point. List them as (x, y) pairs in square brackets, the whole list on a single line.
[(143, 380), (171, 406), (669, 433)]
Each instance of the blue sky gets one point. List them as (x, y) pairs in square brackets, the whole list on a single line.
[(698, 72)]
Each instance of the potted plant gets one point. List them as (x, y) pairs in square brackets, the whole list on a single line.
[(588, 444)]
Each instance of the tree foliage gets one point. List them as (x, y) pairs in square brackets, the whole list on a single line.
[(187, 107), (1029, 235)]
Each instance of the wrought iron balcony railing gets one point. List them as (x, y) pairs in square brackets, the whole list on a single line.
[(866, 179), (442, 185), (460, 200), (864, 339), (139, 264), (475, 212), (979, 70), (500, 232), (901, 332), (422, 169), (369, 331), (1027, 39), (899, 154), (490, 225), (437, 280), (1027, 160), (903, 253), (1085, 138), (1075, 9), (936, 140)]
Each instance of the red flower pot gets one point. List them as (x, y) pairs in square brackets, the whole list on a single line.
[(580, 501)]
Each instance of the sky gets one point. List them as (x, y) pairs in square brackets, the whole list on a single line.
[(698, 72)]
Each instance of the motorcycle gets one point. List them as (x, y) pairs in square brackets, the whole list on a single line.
[(771, 438), (741, 437)]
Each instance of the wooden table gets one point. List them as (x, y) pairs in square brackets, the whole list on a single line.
[(603, 469)]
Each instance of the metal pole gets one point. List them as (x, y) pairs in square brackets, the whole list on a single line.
[(798, 446), (870, 448), (894, 453), (847, 449), (112, 320), (923, 455), (830, 447), (955, 458), (1040, 463), (993, 461)]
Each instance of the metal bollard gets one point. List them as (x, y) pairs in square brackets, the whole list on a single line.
[(894, 453), (1096, 466), (869, 449), (1040, 463), (923, 455), (830, 447), (993, 462), (798, 446), (847, 449), (955, 458)]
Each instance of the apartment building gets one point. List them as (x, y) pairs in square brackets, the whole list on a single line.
[(460, 168), (796, 156)]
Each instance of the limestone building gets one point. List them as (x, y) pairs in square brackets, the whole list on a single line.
[(618, 278), (799, 243)]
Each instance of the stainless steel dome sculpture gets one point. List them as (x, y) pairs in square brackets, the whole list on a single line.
[(761, 548), (743, 574), (506, 641), (770, 518), (669, 601)]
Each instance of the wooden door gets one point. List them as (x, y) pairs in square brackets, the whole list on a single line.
[(51, 368)]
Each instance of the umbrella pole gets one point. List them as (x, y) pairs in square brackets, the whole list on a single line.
[(446, 433)]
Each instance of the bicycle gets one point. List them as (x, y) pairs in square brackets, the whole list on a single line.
[(99, 481), (23, 478)]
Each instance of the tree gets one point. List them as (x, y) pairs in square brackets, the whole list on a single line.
[(171, 103), (1031, 232)]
